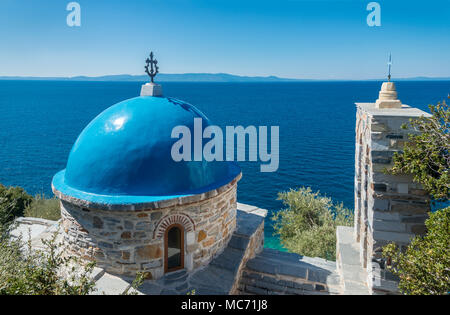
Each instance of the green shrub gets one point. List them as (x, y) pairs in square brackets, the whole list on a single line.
[(41, 272), (427, 155), (44, 208), (13, 201), (308, 225), (424, 267)]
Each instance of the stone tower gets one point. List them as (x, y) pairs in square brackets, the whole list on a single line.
[(387, 208)]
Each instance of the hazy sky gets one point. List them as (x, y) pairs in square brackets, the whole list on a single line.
[(287, 38)]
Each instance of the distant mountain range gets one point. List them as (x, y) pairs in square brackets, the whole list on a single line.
[(185, 77), (199, 77)]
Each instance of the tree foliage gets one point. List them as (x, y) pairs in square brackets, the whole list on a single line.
[(13, 201), (427, 154), (25, 270), (424, 267), (308, 225)]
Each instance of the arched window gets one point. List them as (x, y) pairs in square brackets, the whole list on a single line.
[(174, 248)]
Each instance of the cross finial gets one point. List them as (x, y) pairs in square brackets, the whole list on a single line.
[(389, 67), (154, 69)]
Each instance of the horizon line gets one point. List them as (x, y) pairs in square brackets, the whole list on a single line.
[(137, 77)]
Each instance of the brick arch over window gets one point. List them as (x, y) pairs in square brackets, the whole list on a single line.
[(176, 218)]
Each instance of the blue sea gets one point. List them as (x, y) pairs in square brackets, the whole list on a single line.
[(40, 121)]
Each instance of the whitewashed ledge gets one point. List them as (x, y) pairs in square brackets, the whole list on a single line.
[(252, 209)]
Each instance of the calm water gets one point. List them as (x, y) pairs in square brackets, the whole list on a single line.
[(40, 120)]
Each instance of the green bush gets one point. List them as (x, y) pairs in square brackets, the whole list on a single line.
[(41, 272), (424, 267), (427, 155), (49, 271), (13, 201), (308, 225), (44, 208)]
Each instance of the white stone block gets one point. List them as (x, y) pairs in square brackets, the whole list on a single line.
[(111, 285), (151, 89), (190, 238), (388, 96), (189, 262), (388, 104)]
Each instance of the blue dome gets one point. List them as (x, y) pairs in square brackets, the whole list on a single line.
[(124, 156)]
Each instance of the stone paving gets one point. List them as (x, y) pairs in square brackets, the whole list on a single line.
[(275, 272), (31, 228), (356, 280), (353, 276)]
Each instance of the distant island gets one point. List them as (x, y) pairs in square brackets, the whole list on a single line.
[(202, 77)]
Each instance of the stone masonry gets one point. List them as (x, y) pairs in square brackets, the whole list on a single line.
[(387, 208), (128, 239)]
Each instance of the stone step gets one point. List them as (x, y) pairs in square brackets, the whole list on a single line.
[(230, 259), (276, 272), (112, 285), (284, 257), (353, 277), (175, 275), (272, 284), (290, 265), (255, 283), (239, 242)]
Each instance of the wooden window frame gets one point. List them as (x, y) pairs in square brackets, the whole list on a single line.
[(166, 248)]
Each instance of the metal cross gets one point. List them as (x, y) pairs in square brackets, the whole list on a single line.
[(389, 67), (153, 70)]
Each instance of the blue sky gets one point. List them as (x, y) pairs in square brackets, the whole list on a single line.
[(318, 39)]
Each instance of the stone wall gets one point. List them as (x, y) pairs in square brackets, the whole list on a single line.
[(387, 208), (220, 277), (276, 272), (125, 241)]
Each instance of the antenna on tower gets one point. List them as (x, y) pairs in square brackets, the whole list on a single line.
[(389, 67)]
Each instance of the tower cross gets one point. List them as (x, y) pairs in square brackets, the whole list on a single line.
[(154, 69)]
